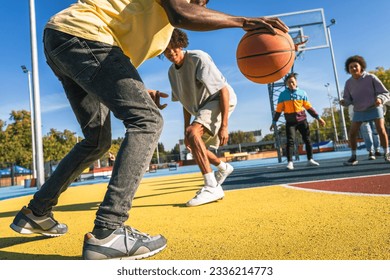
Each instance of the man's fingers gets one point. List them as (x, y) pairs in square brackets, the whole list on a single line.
[(162, 94)]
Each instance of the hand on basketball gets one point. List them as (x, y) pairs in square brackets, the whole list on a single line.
[(156, 95), (267, 23)]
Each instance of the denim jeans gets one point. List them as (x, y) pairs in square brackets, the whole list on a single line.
[(303, 128), (99, 78), (370, 136)]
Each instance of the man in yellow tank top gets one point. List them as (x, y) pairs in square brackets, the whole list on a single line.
[(94, 48)]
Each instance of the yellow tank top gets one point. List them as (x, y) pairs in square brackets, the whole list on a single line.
[(139, 27)]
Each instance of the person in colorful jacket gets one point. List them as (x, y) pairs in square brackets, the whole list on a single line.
[(294, 103)]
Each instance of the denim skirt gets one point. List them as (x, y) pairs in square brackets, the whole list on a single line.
[(368, 115)]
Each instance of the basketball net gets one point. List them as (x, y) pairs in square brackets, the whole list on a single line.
[(300, 42)]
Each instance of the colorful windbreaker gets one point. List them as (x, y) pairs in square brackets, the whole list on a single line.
[(293, 104)]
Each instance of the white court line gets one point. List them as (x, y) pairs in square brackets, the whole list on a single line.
[(336, 192)]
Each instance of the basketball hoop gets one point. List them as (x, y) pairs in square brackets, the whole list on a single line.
[(299, 42)]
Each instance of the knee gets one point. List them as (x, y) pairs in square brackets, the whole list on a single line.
[(100, 144), (193, 133)]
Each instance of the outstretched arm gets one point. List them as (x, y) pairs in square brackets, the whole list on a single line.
[(187, 122), (190, 16), (223, 133)]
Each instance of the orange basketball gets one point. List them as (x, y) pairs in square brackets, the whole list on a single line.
[(264, 57)]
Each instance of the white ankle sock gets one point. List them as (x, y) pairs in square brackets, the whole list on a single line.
[(222, 166), (209, 179)]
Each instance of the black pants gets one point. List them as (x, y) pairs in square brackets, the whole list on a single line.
[(303, 128)]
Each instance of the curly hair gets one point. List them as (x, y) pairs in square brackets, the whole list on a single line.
[(179, 39), (358, 59), (290, 75)]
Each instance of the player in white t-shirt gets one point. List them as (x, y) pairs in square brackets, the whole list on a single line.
[(207, 97)]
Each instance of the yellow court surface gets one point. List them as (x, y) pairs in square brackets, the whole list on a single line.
[(266, 223)]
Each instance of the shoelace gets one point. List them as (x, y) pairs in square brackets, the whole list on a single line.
[(133, 234)]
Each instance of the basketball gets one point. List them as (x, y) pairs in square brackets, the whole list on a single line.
[(263, 57)]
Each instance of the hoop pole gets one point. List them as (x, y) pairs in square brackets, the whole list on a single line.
[(342, 117)]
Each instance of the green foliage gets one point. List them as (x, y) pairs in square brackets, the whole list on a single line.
[(57, 144), (15, 139), (237, 137)]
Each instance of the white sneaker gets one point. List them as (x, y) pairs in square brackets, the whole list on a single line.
[(222, 175), (312, 162), (290, 165), (206, 195)]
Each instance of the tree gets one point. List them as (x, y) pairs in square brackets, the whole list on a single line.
[(383, 75), (15, 139), (238, 137), (57, 144)]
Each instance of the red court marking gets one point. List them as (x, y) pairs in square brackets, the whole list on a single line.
[(379, 184)]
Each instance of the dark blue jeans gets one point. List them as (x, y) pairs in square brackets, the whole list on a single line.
[(303, 128), (99, 78)]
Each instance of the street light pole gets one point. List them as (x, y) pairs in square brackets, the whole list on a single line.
[(331, 110), (36, 99), (33, 136), (342, 118)]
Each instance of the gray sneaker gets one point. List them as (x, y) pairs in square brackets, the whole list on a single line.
[(222, 175), (387, 157), (124, 243), (26, 222)]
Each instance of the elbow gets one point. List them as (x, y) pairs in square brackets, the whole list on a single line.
[(178, 20), (179, 16)]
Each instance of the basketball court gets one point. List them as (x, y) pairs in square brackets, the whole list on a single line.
[(331, 212)]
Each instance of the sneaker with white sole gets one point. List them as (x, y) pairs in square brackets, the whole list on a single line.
[(352, 161), (125, 243), (312, 162), (387, 157), (25, 222), (206, 195), (290, 165), (222, 175), (371, 156)]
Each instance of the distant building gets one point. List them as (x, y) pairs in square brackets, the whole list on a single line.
[(186, 155)]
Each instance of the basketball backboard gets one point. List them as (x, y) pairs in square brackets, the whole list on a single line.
[(307, 25)]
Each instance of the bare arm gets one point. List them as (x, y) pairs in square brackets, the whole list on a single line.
[(223, 132), (189, 16), (187, 122)]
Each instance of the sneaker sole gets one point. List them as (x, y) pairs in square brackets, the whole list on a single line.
[(214, 200), (351, 164), (136, 257), (143, 256), (22, 230)]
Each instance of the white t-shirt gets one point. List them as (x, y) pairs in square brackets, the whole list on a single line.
[(197, 81)]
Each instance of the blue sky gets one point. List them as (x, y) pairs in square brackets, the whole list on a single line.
[(362, 28)]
